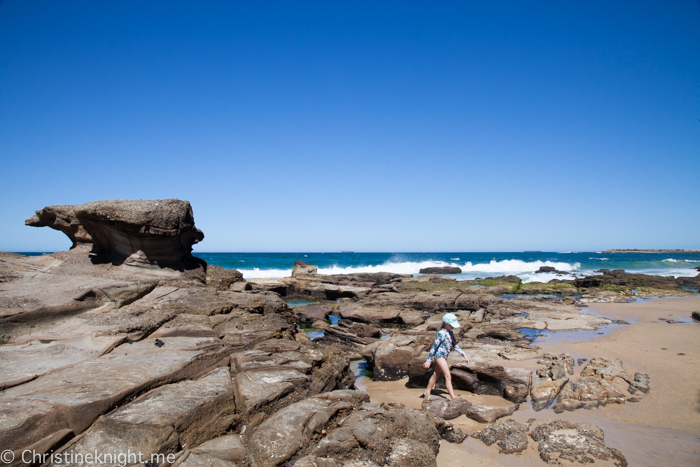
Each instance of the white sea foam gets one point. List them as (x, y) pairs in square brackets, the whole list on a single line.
[(601, 259), (516, 267), (257, 273), (677, 272), (673, 260), (525, 270)]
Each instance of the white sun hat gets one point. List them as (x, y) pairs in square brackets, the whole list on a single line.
[(451, 319)]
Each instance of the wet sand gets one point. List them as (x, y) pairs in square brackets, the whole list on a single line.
[(661, 430)]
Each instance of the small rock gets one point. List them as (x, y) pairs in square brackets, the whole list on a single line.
[(488, 413), (446, 409), (640, 383), (159, 343), (509, 435)]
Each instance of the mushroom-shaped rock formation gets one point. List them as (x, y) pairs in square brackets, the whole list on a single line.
[(61, 218), (145, 233)]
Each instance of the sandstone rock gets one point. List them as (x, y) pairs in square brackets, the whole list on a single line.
[(22, 363), (186, 325), (320, 324), (588, 392), (448, 432), (489, 413), (574, 442), (163, 419), (227, 447), (158, 233), (361, 330), (314, 461), (71, 399), (381, 434), (389, 358), (512, 384), (619, 277), (605, 368), (441, 270), (595, 387), (61, 218), (225, 451), (242, 330), (545, 390), (344, 340), (509, 435), (357, 312), (302, 268), (313, 312), (280, 372), (256, 388), (445, 409), (292, 428), (222, 279), (558, 366)]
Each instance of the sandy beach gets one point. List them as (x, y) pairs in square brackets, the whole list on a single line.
[(662, 429)]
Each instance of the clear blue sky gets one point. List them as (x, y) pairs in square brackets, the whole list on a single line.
[(371, 126)]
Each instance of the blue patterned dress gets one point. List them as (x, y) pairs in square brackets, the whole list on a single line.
[(443, 345)]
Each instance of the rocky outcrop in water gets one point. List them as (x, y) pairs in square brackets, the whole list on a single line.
[(620, 278), (302, 268), (441, 270)]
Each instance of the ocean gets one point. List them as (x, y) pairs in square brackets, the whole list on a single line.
[(473, 265)]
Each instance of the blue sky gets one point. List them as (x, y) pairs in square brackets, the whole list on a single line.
[(370, 126)]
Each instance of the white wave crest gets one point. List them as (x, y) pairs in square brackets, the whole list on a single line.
[(257, 273), (515, 266), (469, 270)]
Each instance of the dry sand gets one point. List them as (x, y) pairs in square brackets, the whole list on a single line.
[(661, 430)]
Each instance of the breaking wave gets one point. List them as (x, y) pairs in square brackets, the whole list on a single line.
[(523, 269)]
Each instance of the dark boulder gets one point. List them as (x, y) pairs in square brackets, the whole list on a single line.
[(620, 278), (441, 270), (302, 268)]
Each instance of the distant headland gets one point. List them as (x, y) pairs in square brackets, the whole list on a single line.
[(615, 250)]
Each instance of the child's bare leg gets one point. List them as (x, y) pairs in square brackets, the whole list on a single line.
[(445, 369), (433, 380)]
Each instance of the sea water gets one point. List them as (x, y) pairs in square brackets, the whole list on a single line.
[(473, 265)]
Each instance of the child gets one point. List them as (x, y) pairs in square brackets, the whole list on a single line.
[(444, 343)]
